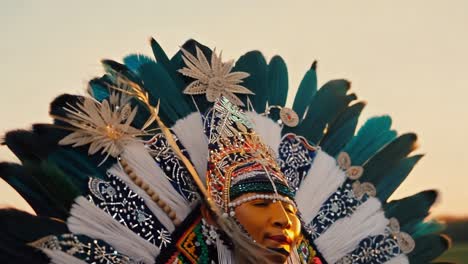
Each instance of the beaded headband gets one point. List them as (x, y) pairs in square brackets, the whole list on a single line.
[(239, 162)]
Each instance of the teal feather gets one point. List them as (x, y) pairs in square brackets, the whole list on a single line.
[(28, 188), (17, 228), (409, 209), (388, 158), (58, 186), (163, 60), (391, 180), (342, 130), (98, 89), (23, 144), (114, 69), (78, 166), (428, 248), (329, 102), (159, 84), (255, 64), (135, 61), (306, 91), (371, 137), (426, 228), (277, 81), (33, 184)]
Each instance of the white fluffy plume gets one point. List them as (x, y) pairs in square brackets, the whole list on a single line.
[(323, 179), (89, 220), (141, 162), (344, 235), (191, 134), (269, 131)]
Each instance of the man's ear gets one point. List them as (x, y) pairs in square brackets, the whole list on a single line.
[(208, 215)]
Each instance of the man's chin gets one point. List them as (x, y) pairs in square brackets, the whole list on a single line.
[(280, 256), (282, 251)]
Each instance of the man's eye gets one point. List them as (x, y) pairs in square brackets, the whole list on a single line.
[(290, 209), (261, 203)]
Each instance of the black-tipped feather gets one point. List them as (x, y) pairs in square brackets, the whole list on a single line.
[(327, 104), (428, 248), (277, 81), (388, 158), (306, 91), (162, 59), (18, 228), (392, 179), (342, 129), (254, 63), (160, 86), (29, 188), (409, 209)]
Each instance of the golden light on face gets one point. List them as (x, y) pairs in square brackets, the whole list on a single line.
[(273, 224)]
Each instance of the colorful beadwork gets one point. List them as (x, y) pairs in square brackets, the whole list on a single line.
[(237, 151)]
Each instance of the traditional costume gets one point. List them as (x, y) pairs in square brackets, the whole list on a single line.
[(125, 173)]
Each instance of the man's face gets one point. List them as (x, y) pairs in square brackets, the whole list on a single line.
[(273, 224)]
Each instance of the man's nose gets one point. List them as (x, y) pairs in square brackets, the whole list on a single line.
[(280, 217)]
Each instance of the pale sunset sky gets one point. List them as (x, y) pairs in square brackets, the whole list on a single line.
[(405, 58)]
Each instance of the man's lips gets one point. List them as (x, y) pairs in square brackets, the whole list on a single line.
[(281, 239)]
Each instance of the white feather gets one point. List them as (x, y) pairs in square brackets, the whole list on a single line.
[(225, 255), (118, 171), (322, 180), (400, 259), (344, 235), (89, 220), (191, 134), (147, 169), (60, 257), (269, 130)]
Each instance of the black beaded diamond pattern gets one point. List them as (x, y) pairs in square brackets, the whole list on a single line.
[(340, 204), (295, 159), (118, 200)]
